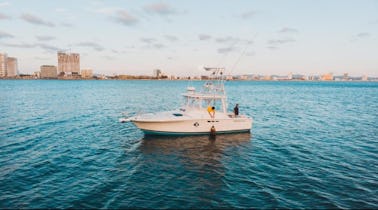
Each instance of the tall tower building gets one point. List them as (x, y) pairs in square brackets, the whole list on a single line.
[(12, 67), (3, 64), (68, 63)]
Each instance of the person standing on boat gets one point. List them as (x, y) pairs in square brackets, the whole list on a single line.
[(211, 111), (236, 110)]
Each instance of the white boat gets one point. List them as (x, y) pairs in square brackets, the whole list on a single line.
[(193, 117)]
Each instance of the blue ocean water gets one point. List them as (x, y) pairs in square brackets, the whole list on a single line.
[(312, 145)]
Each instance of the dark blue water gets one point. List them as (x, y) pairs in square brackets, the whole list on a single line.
[(313, 145)]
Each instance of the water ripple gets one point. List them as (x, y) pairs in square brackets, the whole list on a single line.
[(313, 145)]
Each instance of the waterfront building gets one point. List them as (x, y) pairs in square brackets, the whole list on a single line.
[(267, 77), (345, 77), (327, 77), (229, 77), (36, 75), (48, 72), (290, 76), (68, 63), (3, 64), (157, 73), (243, 77), (86, 73), (8, 66), (12, 67)]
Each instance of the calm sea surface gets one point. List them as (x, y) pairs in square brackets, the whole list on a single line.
[(312, 145)]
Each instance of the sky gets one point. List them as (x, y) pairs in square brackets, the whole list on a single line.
[(268, 37)]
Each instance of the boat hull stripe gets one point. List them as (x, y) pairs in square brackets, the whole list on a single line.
[(167, 133)]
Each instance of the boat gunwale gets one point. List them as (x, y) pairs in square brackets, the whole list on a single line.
[(168, 133), (187, 119)]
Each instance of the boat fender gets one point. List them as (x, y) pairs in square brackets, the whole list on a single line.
[(212, 130)]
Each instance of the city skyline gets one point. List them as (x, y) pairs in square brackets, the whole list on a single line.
[(246, 37)]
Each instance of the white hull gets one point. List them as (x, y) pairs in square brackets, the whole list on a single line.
[(194, 126)]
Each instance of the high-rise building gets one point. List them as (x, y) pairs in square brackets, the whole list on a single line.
[(69, 63), (12, 67), (48, 71), (3, 64)]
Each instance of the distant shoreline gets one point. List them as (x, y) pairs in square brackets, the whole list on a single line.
[(238, 80)]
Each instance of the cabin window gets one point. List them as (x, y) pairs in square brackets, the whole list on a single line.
[(177, 114)]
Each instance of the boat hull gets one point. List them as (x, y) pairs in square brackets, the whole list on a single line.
[(194, 126)]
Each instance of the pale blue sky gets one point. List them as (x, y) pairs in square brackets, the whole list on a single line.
[(135, 37)]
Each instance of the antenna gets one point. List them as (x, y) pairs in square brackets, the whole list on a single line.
[(242, 54)]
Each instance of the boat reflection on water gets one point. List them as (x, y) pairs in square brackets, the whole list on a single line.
[(192, 166), (192, 145), (190, 170)]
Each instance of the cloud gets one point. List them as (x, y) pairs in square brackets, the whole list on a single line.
[(272, 47), (93, 45), (280, 41), (288, 30), (158, 46), (60, 10), (107, 57), (147, 40), (171, 38), (48, 47), (159, 9), (68, 25), (5, 35), (248, 14), (4, 4), (107, 10), (152, 43), (274, 44), (225, 50), (130, 47), (204, 37), (249, 41), (250, 53), (20, 45), (41, 58), (363, 35), (45, 38), (28, 46), (123, 17), (226, 39), (360, 36), (4, 17), (36, 20)]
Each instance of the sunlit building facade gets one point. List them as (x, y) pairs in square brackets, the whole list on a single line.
[(8, 66), (327, 77), (12, 67), (69, 63), (48, 72), (3, 65), (86, 73)]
